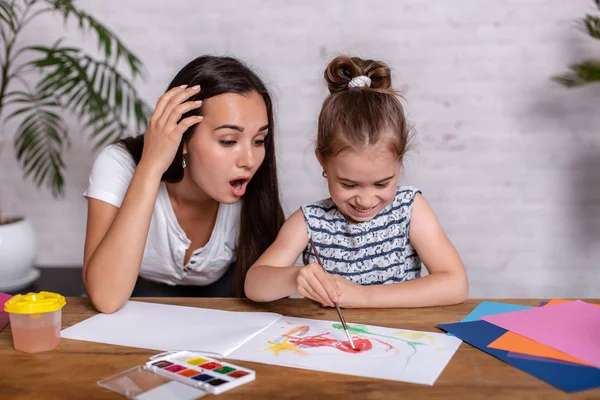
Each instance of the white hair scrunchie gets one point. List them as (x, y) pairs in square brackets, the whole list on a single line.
[(360, 81)]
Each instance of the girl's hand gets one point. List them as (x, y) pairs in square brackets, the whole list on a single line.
[(351, 294), (316, 284), (163, 135)]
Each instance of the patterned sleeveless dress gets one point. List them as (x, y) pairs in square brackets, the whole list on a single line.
[(367, 253)]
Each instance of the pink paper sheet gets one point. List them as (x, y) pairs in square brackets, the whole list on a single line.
[(572, 328), (3, 315)]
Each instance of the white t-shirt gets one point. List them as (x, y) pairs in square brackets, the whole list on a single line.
[(167, 242)]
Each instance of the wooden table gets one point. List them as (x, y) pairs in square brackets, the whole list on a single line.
[(72, 370)]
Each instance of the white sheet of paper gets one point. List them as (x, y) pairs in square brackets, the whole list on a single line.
[(387, 353), (169, 328)]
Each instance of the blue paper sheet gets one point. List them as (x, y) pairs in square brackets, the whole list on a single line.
[(491, 308), (565, 376)]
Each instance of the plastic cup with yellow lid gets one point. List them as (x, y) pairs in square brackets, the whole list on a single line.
[(35, 320)]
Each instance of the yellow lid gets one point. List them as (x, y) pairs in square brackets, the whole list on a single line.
[(35, 303)]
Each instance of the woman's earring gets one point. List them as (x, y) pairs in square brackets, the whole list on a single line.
[(324, 174), (183, 163)]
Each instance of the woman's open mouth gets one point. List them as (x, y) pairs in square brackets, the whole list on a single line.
[(238, 185)]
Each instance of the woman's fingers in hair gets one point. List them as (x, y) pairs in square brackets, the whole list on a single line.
[(185, 124), (181, 109), (162, 141), (162, 101), (176, 100)]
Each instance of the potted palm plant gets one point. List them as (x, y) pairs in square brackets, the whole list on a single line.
[(588, 71), (42, 84)]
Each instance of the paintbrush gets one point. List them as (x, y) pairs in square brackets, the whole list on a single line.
[(337, 307)]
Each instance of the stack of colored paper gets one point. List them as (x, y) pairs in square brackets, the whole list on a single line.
[(558, 342)]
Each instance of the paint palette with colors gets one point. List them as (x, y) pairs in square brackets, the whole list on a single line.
[(180, 375), (200, 371)]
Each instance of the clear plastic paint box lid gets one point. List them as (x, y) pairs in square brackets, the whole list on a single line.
[(178, 375), (140, 383)]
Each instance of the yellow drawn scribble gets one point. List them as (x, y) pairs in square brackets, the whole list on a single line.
[(283, 346), (421, 335), (417, 335)]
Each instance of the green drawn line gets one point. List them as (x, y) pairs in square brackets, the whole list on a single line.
[(362, 330)]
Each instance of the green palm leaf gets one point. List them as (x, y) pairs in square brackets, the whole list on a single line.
[(591, 25), (114, 50), (7, 13), (581, 74), (92, 89), (588, 71), (40, 138), (104, 101)]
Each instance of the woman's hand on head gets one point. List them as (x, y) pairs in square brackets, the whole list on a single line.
[(164, 133)]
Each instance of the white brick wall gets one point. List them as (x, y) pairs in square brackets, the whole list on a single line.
[(509, 161)]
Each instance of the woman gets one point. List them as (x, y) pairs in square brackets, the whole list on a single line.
[(174, 208)]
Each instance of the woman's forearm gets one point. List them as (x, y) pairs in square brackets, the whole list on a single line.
[(112, 270)]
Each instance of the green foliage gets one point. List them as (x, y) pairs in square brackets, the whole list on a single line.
[(59, 79), (588, 71)]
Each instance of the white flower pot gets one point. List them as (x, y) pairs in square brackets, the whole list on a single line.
[(17, 255)]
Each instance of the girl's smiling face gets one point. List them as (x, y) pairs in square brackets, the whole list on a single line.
[(362, 182)]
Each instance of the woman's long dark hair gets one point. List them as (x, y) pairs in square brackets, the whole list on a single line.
[(262, 215)]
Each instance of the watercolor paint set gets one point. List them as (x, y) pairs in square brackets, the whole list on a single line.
[(200, 371), (195, 370)]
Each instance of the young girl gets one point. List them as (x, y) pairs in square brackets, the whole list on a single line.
[(197, 191), (371, 235)]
